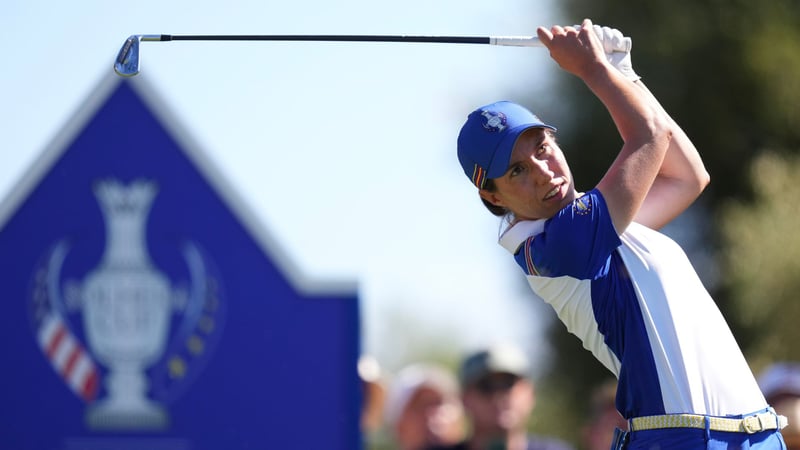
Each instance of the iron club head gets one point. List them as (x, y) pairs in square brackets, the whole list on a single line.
[(127, 62)]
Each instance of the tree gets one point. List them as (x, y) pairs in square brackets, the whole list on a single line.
[(761, 259)]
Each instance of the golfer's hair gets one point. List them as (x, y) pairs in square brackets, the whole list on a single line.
[(498, 211)]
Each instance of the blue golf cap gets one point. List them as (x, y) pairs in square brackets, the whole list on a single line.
[(487, 139)]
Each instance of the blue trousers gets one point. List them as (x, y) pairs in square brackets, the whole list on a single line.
[(695, 439), (698, 439)]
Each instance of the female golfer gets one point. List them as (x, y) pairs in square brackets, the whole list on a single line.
[(627, 291)]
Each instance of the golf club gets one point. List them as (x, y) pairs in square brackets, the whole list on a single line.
[(127, 63)]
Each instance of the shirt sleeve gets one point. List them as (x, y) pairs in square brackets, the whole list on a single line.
[(577, 241)]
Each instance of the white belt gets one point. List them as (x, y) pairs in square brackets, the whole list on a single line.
[(750, 424)]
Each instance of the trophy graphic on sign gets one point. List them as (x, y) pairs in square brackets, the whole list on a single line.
[(127, 307)]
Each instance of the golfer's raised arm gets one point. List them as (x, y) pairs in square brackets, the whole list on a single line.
[(644, 128)]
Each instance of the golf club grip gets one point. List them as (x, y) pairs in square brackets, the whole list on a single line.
[(518, 41)]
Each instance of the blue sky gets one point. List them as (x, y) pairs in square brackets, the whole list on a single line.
[(345, 151)]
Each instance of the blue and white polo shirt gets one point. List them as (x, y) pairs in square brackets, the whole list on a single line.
[(637, 304)]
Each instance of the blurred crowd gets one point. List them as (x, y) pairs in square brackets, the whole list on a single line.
[(780, 384), (487, 402)]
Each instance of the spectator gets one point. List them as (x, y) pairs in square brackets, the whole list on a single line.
[(423, 408), (603, 418), (374, 396), (780, 384), (499, 397)]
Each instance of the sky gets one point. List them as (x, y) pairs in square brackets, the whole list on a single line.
[(344, 151)]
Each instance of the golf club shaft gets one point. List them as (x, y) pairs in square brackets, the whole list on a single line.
[(127, 62), (522, 41)]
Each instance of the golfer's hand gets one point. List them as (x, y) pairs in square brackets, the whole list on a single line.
[(618, 50), (577, 50)]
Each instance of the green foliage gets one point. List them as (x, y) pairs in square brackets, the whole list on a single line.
[(762, 258)]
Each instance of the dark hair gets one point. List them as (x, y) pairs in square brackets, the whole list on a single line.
[(499, 211)]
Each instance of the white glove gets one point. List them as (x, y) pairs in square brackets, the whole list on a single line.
[(617, 48)]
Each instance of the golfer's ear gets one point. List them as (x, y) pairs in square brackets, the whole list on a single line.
[(491, 197)]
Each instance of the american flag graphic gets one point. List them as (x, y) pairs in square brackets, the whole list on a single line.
[(60, 346), (68, 357)]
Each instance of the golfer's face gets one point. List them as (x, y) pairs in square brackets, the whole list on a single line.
[(538, 182)]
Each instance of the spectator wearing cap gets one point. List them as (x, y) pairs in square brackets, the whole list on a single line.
[(780, 384), (597, 433), (498, 397), (423, 408)]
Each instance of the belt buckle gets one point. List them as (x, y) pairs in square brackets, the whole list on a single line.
[(752, 424)]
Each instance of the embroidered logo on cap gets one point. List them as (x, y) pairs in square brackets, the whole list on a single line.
[(495, 121)]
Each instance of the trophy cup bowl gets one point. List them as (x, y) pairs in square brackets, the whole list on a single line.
[(126, 317)]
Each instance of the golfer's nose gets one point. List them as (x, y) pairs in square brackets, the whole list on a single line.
[(542, 171)]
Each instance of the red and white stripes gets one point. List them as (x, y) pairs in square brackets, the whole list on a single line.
[(69, 358)]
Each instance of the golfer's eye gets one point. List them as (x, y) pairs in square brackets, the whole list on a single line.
[(516, 169), (542, 149)]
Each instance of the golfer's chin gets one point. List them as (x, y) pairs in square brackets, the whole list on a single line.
[(547, 210), (565, 199)]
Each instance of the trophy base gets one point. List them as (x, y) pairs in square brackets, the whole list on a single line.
[(109, 416)]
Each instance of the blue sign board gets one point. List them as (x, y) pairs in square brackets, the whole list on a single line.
[(144, 308)]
